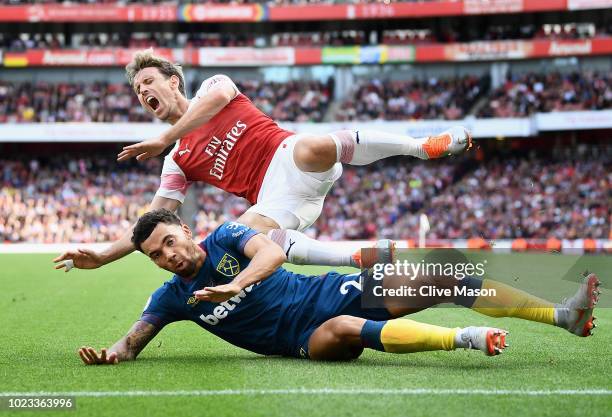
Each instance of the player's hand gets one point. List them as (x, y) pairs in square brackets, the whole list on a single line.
[(91, 357), (218, 294), (143, 150), (81, 258)]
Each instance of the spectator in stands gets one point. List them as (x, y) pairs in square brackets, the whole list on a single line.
[(563, 195), (523, 95), (404, 100), (106, 102)]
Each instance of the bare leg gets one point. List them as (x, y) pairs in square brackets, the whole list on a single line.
[(319, 153), (337, 339)]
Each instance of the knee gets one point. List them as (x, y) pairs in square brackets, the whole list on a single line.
[(315, 153), (346, 331), (340, 340)]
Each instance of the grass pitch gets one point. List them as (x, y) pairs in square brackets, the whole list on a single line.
[(47, 314)]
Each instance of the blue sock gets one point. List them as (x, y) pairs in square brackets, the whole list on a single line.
[(470, 283), (370, 334)]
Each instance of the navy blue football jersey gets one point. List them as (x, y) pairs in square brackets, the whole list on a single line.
[(273, 317)]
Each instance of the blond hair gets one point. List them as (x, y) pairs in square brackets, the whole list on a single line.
[(146, 59)]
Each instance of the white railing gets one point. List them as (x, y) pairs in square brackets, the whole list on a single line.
[(481, 128)]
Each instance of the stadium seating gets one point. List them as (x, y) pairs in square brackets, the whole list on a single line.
[(450, 99), (106, 102), (197, 39), (523, 95), (308, 101), (560, 195)]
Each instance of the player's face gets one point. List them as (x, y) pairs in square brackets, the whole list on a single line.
[(156, 93), (171, 247)]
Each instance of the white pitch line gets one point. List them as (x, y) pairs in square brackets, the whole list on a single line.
[(311, 391)]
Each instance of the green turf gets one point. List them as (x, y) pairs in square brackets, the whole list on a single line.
[(47, 314)]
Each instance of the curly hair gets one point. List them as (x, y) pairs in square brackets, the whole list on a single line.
[(146, 59), (147, 223)]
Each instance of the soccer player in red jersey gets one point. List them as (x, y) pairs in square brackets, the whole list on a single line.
[(222, 139)]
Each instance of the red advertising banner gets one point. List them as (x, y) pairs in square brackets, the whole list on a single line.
[(484, 51), (228, 57), (314, 12), (544, 5), (231, 57), (88, 13), (511, 6), (308, 56), (405, 10), (257, 12), (78, 57), (222, 13), (492, 6), (563, 48), (505, 50)]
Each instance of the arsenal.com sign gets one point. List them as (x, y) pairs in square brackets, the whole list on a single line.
[(492, 6), (477, 51), (219, 57), (588, 4)]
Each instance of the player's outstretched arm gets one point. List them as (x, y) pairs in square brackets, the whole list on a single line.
[(266, 256), (201, 112), (126, 349), (88, 259)]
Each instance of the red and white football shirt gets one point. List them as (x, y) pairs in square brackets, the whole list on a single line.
[(232, 151)]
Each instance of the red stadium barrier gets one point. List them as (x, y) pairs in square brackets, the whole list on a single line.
[(519, 245), (493, 50), (246, 56), (82, 57), (553, 245), (88, 13), (256, 12)]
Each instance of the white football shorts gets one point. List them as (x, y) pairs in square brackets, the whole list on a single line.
[(289, 196)]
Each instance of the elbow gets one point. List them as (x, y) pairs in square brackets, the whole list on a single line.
[(281, 257), (275, 256), (223, 97)]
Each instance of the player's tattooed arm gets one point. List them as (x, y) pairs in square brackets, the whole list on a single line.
[(126, 349)]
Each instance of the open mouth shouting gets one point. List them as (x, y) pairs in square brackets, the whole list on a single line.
[(153, 103)]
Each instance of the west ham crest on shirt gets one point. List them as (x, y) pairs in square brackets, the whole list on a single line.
[(228, 266)]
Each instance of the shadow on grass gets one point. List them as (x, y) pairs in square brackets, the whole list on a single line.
[(396, 361)]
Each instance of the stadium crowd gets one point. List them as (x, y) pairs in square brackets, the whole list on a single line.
[(309, 101), (523, 95), (566, 197), (565, 194), (71, 200), (29, 102), (433, 98), (26, 41), (448, 34), (296, 101)]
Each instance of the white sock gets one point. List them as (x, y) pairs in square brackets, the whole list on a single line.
[(363, 147), (462, 339), (302, 250)]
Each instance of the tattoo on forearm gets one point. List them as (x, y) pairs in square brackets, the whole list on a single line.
[(135, 341)]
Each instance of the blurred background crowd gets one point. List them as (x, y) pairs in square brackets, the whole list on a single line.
[(564, 192), (310, 101)]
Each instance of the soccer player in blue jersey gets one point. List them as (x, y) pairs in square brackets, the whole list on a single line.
[(232, 285)]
